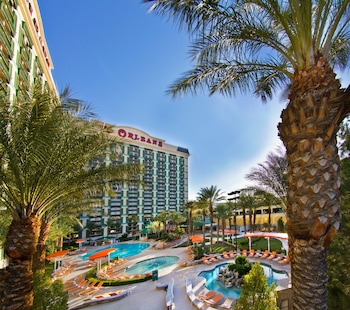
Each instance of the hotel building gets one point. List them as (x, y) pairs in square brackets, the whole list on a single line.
[(24, 55), (163, 186)]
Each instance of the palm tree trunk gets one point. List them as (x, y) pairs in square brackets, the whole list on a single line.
[(211, 217), (40, 253), (203, 228), (244, 221), (308, 129), (16, 281)]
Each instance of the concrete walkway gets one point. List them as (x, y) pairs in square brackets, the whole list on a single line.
[(146, 295)]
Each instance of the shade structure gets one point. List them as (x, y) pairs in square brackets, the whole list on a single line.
[(283, 237), (57, 258), (80, 242), (196, 238), (58, 254), (101, 254)]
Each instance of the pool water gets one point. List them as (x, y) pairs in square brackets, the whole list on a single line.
[(123, 250), (151, 264), (234, 292)]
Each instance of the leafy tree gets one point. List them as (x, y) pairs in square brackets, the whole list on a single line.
[(48, 294), (255, 292), (176, 218), (46, 145), (211, 195), (242, 265), (339, 276), (292, 46)]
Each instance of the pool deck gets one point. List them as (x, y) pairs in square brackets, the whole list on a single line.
[(147, 295)]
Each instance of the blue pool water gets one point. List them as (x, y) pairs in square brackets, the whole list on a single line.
[(148, 265), (211, 284), (123, 250)]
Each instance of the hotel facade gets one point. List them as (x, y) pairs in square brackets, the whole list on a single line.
[(24, 54), (163, 185)]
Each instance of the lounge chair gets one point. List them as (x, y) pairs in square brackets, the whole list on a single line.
[(228, 304), (205, 260), (251, 253), (215, 300), (208, 295), (244, 253), (225, 255), (257, 253), (272, 255), (212, 258), (266, 254), (278, 257), (284, 261), (232, 254)]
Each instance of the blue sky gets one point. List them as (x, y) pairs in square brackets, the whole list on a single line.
[(121, 59)]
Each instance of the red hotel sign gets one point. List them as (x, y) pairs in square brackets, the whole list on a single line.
[(133, 136)]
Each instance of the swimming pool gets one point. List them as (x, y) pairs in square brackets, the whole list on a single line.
[(234, 292), (155, 263), (123, 250)]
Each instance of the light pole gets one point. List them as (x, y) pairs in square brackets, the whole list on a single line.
[(235, 197)]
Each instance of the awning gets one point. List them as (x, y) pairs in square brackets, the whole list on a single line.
[(58, 254), (101, 254), (196, 238)]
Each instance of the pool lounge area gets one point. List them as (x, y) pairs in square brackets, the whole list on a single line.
[(187, 285)]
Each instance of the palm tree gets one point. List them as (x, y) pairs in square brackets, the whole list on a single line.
[(189, 208), (271, 176), (222, 212), (295, 46), (46, 144), (211, 195), (202, 206)]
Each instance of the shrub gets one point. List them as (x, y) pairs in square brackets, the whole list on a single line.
[(48, 294)]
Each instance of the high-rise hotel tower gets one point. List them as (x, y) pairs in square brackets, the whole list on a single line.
[(164, 185), (24, 55)]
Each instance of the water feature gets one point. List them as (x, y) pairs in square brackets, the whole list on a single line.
[(234, 292), (155, 263)]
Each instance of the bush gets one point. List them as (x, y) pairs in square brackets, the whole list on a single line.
[(48, 294), (241, 265)]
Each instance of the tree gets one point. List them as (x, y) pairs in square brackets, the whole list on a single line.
[(189, 208), (162, 217), (222, 214), (292, 46), (203, 207), (271, 176), (176, 218), (46, 145), (211, 195), (255, 292), (339, 277)]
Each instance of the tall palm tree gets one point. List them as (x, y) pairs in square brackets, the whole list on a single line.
[(211, 195), (222, 213), (46, 144), (189, 208), (202, 206), (267, 46)]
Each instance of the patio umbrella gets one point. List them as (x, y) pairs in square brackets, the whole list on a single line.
[(196, 238), (100, 255), (57, 257), (80, 242)]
